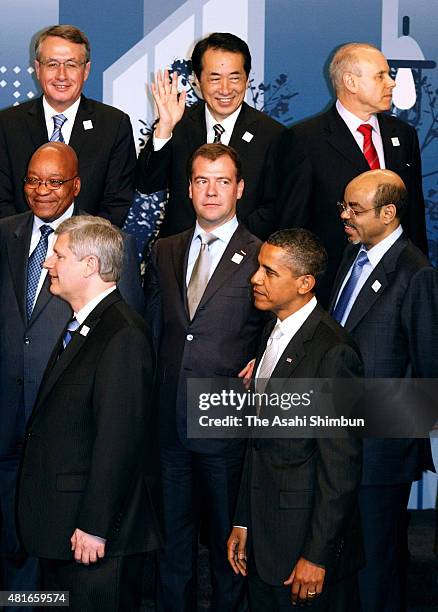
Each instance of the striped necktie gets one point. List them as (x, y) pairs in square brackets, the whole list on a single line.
[(369, 150), (218, 131), (34, 267), (59, 121), (350, 285)]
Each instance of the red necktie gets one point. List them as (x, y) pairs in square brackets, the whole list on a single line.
[(369, 150)]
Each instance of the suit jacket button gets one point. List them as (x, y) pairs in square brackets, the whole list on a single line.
[(26, 340), (189, 337), (20, 382)]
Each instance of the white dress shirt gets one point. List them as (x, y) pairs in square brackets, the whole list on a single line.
[(83, 313), (228, 124), (289, 327), (375, 254), (69, 113), (216, 249), (35, 238), (354, 122)]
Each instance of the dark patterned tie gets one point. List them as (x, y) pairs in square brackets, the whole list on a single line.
[(350, 286), (34, 264), (369, 150), (68, 335), (59, 121), (218, 131)]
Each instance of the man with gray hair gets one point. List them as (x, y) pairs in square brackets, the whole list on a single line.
[(100, 134), (318, 157), (86, 501)]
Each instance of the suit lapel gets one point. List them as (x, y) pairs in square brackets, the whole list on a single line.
[(375, 285), (36, 123), (226, 267), (18, 251), (393, 154), (340, 138), (180, 255), (349, 256), (197, 129), (80, 135), (246, 122), (59, 361)]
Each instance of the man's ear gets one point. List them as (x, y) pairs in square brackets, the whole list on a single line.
[(307, 284), (92, 265)]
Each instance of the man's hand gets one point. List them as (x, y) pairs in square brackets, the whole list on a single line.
[(87, 548), (170, 106), (246, 373), (306, 580), (236, 547)]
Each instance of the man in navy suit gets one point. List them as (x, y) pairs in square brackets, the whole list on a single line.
[(209, 328), (100, 134), (31, 319), (222, 64), (385, 294), (319, 156)]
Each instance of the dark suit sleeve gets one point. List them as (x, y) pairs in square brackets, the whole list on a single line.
[(130, 281), (153, 167), (338, 473), (119, 189), (121, 402), (415, 221), (7, 207), (153, 296), (294, 177)]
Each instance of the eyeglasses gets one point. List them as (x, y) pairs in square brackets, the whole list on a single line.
[(53, 184), (344, 207), (54, 65)]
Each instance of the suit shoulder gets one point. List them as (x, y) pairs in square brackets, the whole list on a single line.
[(14, 221), (253, 242), (331, 334), (104, 109), (412, 259), (396, 123), (309, 128), (12, 113), (265, 120)]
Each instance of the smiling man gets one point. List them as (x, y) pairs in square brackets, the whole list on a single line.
[(385, 295), (208, 327), (319, 156), (101, 135), (222, 65)]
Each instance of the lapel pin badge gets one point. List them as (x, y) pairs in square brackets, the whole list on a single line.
[(237, 258), (376, 286), (84, 330), (88, 124), (395, 141), (247, 137), (289, 359)]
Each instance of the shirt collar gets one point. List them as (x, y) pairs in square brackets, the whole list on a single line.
[(228, 123), (88, 308), (353, 121), (376, 252), (291, 324), (37, 222), (223, 232), (69, 113)]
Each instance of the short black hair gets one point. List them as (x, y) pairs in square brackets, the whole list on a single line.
[(305, 251), (224, 41), (212, 152), (388, 193)]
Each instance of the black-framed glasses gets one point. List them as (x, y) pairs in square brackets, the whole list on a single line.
[(344, 207), (52, 64), (34, 183)]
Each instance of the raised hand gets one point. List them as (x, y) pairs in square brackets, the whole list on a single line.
[(170, 105)]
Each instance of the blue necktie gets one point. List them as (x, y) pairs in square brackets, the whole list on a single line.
[(59, 121), (350, 285), (34, 265), (71, 328)]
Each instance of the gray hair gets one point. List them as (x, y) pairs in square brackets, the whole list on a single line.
[(95, 236), (346, 59)]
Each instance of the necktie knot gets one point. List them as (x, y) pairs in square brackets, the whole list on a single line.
[(362, 258), (72, 326), (218, 131), (59, 120), (207, 239), (365, 129), (276, 333), (46, 230)]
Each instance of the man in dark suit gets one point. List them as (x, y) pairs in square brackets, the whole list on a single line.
[(222, 64), (86, 505), (31, 319), (319, 156), (101, 135), (385, 294), (298, 498), (199, 287)]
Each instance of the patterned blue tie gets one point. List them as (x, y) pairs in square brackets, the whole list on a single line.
[(59, 121), (71, 328), (350, 285), (34, 265)]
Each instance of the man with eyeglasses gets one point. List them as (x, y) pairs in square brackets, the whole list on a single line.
[(31, 319), (100, 134), (319, 156), (386, 297)]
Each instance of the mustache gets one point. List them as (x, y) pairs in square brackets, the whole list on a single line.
[(349, 224)]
